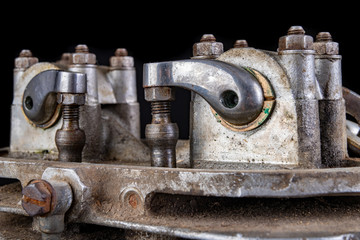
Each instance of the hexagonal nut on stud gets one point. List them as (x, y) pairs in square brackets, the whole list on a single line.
[(154, 94), (25, 59), (82, 55), (71, 99), (296, 40), (207, 47), (121, 59), (324, 44), (37, 198)]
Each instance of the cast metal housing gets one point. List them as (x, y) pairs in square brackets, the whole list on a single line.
[(268, 144)]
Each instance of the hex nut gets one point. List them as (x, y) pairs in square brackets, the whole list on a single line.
[(324, 44), (122, 62), (296, 40), (71, 99), (326, 48), (121, 59), (82, 55), (82, 58), (208, 47), (154, 94), (25, 59)]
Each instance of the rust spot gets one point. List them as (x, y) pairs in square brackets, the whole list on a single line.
[(133, 200), (37, 198)]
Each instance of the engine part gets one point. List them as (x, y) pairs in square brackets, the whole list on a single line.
[(161, 134), (100, 108), (271, 153)]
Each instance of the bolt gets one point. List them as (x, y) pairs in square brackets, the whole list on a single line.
[(296, 30), (81, 48), (25, 59), (120, 52), (25, 53), (323, 37), (161, 134), (70, 139), (241, 44), (208, 38), (295, 40), (121, 59), (37, 198), (82, 55), (324, 45), (207, 47)]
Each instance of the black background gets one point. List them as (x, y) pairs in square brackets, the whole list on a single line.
[(162, 32)]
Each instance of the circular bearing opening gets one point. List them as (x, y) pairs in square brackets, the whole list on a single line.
[(229, 99), (29, 103)]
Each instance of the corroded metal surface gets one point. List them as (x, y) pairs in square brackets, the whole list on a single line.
[(352, 102), (37, 198), (232, 92), (96, 198), (251, 169), (273, 143)]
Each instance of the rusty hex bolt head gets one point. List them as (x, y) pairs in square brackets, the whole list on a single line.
[(324, 44), (296, 40), (25, 59), (208, 47), (82, 55), (37, 198), (121, 59)]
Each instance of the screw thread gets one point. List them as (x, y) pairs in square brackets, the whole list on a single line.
[(323, 37), (81, 48), (71, 112), (160, 107), (70, 139), (25, 53), (296, 30), (208, 38), (160, 112), (121, 52), (70, 117), (241, 44)]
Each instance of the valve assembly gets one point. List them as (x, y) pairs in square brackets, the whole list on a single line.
[(263, 124)]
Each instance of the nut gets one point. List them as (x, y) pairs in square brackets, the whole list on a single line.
[(37, 198), (71, 99), (153, 94), (82, 56), (121, 59), (25, 59), (324, 44), (208, 47), (296, 40)]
